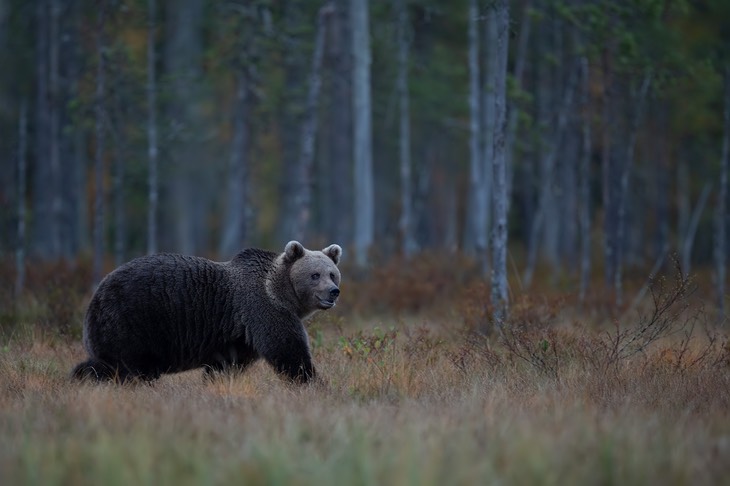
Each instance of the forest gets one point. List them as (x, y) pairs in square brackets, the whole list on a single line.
[(205, 127), (531, 197)]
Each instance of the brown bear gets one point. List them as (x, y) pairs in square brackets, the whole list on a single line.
[(167, 313)]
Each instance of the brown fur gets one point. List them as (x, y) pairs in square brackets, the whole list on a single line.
[(167, 313)]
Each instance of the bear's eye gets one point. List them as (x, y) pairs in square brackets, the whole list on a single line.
[(315, 276), (332, 277)]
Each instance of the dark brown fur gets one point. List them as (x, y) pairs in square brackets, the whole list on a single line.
[(167, 313)]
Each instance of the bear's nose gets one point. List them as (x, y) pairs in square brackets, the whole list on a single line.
[(334, 292)]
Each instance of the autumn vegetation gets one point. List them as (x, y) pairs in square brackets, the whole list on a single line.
[(509, 181), (418, 389)]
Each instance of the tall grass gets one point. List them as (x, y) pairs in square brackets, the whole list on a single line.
[(406, 399)]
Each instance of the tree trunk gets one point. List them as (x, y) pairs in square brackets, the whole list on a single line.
[(721, 209), (292, 115), (484, 194), (152, 179), (408, 243), (22, 172), (546, 203), (623, 189), (585, 182), (54, 131), (684, 205), (694, 221), (97, 269), (499, 258), (119, 220), (475, 210), (303, 205), (184, 57), (340, 116), (234, 230), (519, 70), (661, 192), (42, 224), (362, 130), (74, 224), (608, 171)]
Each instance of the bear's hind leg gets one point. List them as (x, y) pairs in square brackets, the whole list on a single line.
[(236, 361), (94, 369), (98, 370)]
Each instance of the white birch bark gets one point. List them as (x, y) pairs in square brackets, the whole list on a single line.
[(234, 230), (547, 172), (362, 132), (499, 258), (475, 210), (640, 102), (584, 217), (607, 169), (408, 243), (519, 70), (340, 122), (184, 57), (22, 176), (721, 218), (120, 230), (152, 152), (485, 187), (693, 223), (99, 224), (309, 130), (54, 131), (41, 204)]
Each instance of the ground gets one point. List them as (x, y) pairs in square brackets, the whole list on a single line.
[(409, 398)]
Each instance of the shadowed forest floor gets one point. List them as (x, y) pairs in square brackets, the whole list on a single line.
[(559, 397)]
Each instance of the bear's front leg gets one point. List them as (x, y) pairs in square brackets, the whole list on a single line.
[(289, 355), (297, 367)]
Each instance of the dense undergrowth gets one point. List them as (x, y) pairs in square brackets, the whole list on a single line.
[(418, 388)]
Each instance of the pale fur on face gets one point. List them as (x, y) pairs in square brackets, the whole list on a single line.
[(314, 275)]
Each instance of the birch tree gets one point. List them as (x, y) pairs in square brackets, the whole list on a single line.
[(546, 202), (120, 223), (42, 226), (475, 210), (489, 96), (408, 243), (692, 225), (521, 55), (54, 130), (244, 61), (339, 113), (499, 258), (234, 230), (184, 56), (584, 218), (99, 193), (22, 176), (362, 132), (309, 129), (628, 162), (482, 101), (721, 218), (152, 153)]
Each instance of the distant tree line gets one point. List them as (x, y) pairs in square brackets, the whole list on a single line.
[(584, 136)]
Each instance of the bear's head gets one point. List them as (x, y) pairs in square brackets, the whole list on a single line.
[(314, 275)]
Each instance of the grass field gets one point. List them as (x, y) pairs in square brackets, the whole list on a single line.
[(562, 396)]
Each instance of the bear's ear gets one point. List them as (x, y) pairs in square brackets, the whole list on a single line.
[(293, 251), (334, 252)]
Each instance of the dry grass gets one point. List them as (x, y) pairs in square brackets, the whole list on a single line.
[(420, 408), (407, 400)]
